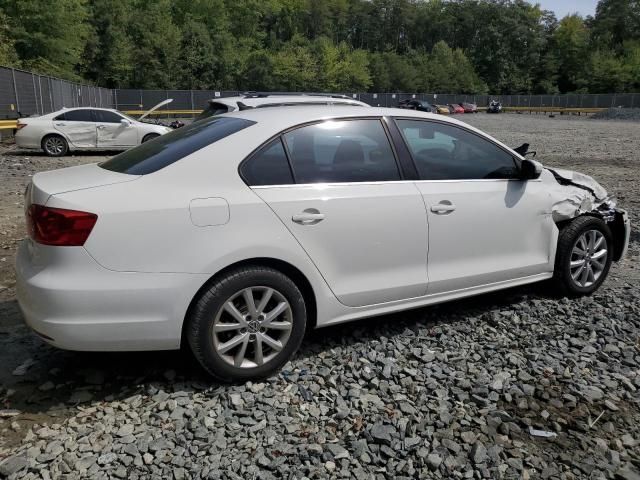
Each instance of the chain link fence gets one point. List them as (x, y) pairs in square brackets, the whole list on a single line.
[(130, 99), (24, 94)]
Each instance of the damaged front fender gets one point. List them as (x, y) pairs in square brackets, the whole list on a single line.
[(578, 194)]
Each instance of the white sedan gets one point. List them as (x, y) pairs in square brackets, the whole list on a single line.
[(239, 232), (85, 128)]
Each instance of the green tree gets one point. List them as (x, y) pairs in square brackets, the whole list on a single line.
[(8, 55), (571, 45), (48, 36), (108, 57), (156, 38)]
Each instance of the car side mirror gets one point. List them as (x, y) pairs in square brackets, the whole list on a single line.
[(125, 122), (530, 169)]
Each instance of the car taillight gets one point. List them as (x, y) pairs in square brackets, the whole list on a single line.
[(20, 125), (59, 226)]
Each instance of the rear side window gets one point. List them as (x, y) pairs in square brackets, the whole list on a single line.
[(105, 116), (214, 108), (341, 151), (77, 116), (269, 166), (445, 152), (169, 148)]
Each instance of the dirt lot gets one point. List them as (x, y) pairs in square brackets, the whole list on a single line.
[(56, 384)]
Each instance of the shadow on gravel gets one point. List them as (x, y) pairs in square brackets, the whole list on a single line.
[(55, 379), (82, 153)]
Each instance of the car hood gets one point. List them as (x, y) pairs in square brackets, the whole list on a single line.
[(581, 180), (152, 109)]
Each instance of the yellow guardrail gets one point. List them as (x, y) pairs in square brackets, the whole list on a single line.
[(8, 124), (162, 112)]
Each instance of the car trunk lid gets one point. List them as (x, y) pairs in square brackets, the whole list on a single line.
[(70, 179)]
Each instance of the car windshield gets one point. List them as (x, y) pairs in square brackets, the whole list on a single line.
[(171, 147)]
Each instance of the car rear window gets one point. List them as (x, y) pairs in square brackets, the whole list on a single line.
[(155, 154)]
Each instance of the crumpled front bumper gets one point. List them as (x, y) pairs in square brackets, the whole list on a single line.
[(621, 229)]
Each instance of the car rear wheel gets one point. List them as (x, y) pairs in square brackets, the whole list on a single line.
[(584, 256), (150, 136), (54, 145), (247, 324)]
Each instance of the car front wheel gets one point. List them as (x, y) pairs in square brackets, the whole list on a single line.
[(247, 324), (584, 255)]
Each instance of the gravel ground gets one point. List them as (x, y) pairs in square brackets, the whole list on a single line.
[(517, 384)]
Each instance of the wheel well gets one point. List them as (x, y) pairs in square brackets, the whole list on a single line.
[(151, 134), (51, 134), (616, 226), (284, 267)]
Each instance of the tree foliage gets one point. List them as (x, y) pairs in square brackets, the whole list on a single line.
[(462, 46)]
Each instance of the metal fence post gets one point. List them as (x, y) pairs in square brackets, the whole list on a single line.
[(53, 107), (15, 90)]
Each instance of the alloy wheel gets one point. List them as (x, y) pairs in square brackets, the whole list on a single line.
[(54, 145), (588, 258), (252, 327)]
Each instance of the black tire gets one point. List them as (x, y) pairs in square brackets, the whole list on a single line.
[(210, 306), (570, 233), (150, 136), (54, 145)]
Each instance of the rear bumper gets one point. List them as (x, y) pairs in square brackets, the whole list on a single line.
[(75, 304)]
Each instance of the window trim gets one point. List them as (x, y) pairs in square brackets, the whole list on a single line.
[(517, 162), (281, 134)]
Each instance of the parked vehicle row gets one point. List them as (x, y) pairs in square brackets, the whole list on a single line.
[(424, 106), (237, 233)]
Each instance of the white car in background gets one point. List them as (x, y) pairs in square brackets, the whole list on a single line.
[(218, 106), (86, 128), (239, 232)]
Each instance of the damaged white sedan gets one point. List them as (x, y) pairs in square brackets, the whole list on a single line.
[(238, 232)]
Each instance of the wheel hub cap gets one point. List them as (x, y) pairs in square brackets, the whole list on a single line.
[(252, 327), (588, 258)]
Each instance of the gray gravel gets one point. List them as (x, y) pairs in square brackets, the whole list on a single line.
[(517, 384)]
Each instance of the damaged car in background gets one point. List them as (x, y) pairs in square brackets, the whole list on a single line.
[(281, 220)]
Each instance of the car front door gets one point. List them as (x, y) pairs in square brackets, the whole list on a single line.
[(113, 132), (485, 224), (78, 126), (345, 202)]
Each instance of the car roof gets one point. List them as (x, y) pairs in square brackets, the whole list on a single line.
[(254, 101)]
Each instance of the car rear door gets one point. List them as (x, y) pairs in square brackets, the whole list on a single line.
[(112, 132), (78, 126), (485, 224), (337, 187)]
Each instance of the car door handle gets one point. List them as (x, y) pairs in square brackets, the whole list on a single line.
[(101, 127), (443, 208), (60, 124), (310, 216)]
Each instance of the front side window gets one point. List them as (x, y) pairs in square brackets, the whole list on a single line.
[(341, 151), (104, 116), (446, 152), (77, 116), (173, 146), (269, 166)]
